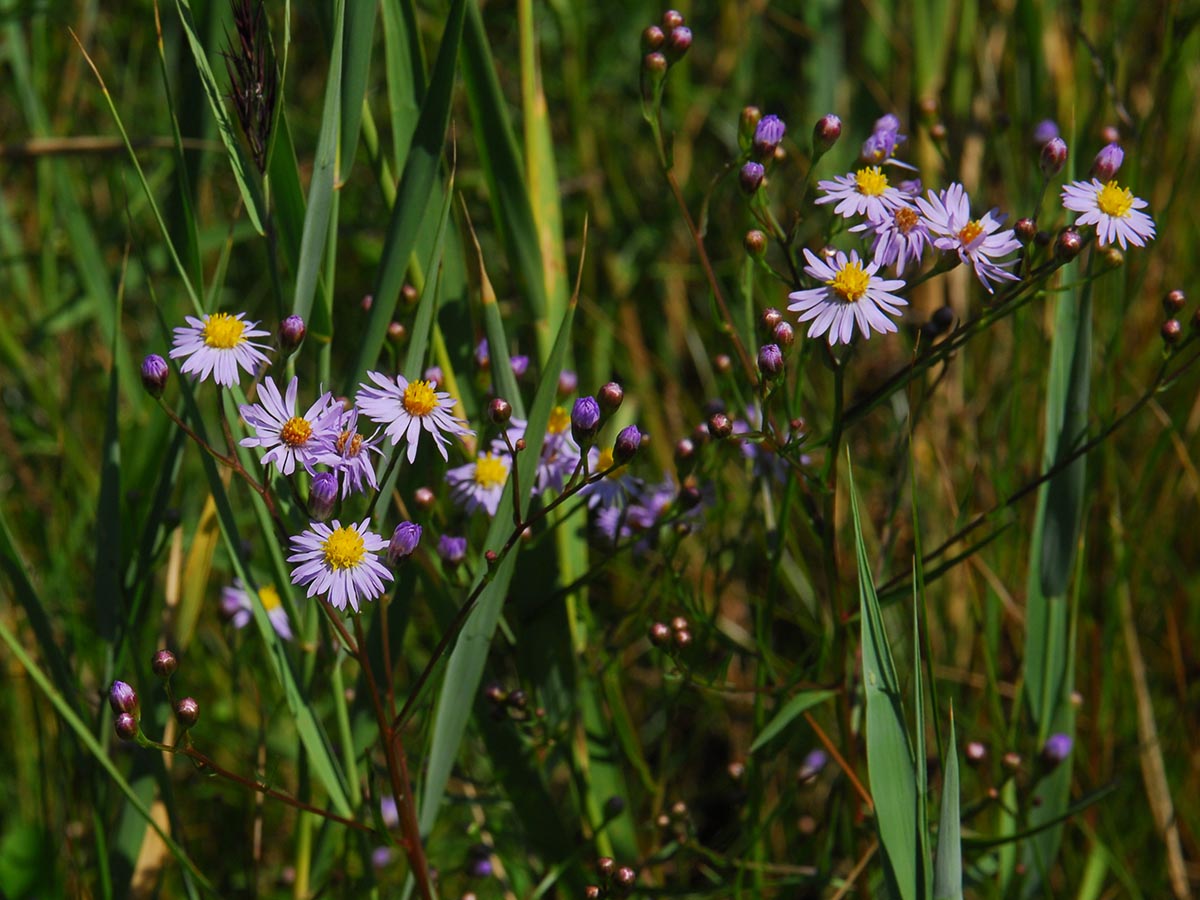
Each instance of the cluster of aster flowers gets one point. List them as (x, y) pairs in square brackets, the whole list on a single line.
[(903, 223)]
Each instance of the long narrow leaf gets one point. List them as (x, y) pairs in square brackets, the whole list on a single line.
[(948, 876), (801, 703)]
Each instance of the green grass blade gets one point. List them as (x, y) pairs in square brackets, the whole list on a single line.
[(801, 703), (412, 196), (405, 74), (108, 594), (359, 35), (287, 194), (320, 188), (948, 873), (247, 182), (889, 752), (422, 327)]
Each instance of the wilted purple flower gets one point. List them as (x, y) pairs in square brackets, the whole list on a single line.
[(751, 177), (1107, 162), (768, 135), (352, 455), (322, 495), (1045, 130), (155, 372), (451, 549), (404, 542)]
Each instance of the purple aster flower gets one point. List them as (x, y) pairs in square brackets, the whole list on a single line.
[(480, 484), (850, 293), (218, 345), (768, 135), (236, 607), (880, 148), (560, 454), (615, 488), (352, 455), (1115, 212), (585, 420), (287, 437), (900, 237), (404, 543), (451, 549), (865, 192), (340, 562), (406, 408), (770, 361), (976, 241)]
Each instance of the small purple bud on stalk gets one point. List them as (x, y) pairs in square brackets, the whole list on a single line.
[(404, 542), (605, 867), (770, 318), (679, 623), (164, 664), (187, 712), (520, 365), (123, 699), (1172, 331), (1045, 131), (1110, 134), (720, 426), (1107, 162), (1174, 301), (685, 456), (627, 444), (396, 332), (592, 892), (126, 727), (1011, 760), (770, 361), (585, 421), (1026, 230), (751, 177), (1068, 245), (755, 243), (483, 358), (813, 763), (1053, 157), (937, 131), (747, 124), (1057, 749), (1113, 258), (722, 363), (610, 397), (322, 496), (155, 373), (434, 376), (367, 302), (784, 334), (291, 333), (660, 634), (655, 65), (653, 38), (826, 132), (424, 498), (768, 135), (890, 122), (975, 752), (480, 867), (567, 382), (409, 294), (624, 880), (499, 411), (672, 18), (679, 42), (451, 549)]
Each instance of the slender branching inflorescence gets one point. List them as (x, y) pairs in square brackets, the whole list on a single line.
[(253, 82)]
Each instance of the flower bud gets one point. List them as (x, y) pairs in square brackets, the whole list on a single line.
[(396, 332), (409, 295), (660, 634), (367, 302), (155, 372), (1045, 131), (605, 867), (1174, 301), (1057, 749), (1011, 761), (679, 42), (1110, 134), (452, 550), (123, 699), (975, 752), (755, 243), (770, 361), (164, 664), (624, 879), (719, 425), (770, 318), (655, 65), (126, 727), (722, 363), (751, 177), (404, 541), (942, 319), (653, 38), (610, 397), (592, 892), (679, 623), (1053, 157), (813, 763), (768, 135), (1025, 229), (784, 334), (291, 333), (685, 456), (937, 131), (1172, 331), (519, 364), (1107, 162), (747, 123), (626, 446), (424, 498), (322, 496), (567, 382), (499, 411), (671, 19), (1068, 245), (585, 421), (826, 132), (1113, 258), (187, 712)]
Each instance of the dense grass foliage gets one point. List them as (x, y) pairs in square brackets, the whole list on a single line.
[(709, 597)]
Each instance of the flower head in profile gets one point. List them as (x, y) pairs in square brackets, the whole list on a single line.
[(290, 438), (900, 237), (340, 562), (1115, 212), (865, 192), (217, 345), (850, 293), (406, 408), (976, 241), (480, 484), (352, 455), (236, 606)]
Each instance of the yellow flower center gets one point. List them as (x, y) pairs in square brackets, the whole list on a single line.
[(295, 432), (419, 398), (605, 461), (870, 182), (970, 231), (269, 597), (851, 281), (1114, 200), (355, 444), (560, 420), (344, 549), (490, 471), (906, 219), (223, 331)]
